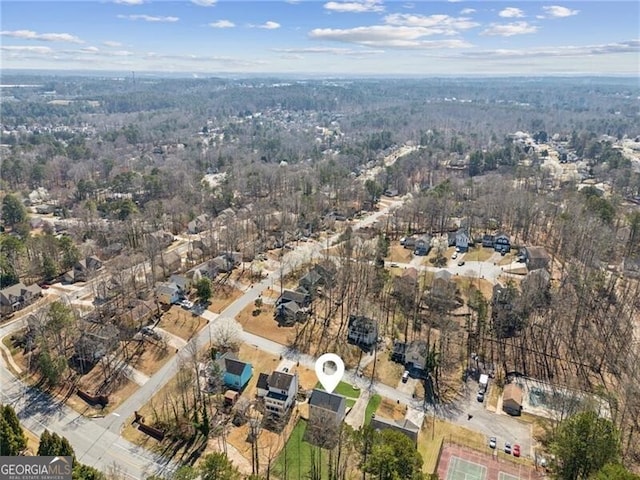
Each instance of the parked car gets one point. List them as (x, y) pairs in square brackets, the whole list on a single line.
[(150, 332), (186, 304), (405, 376), (480, 396), (516, 450), (460, 263), (394, 265), (454, 255), (507, 448), (492, 442)]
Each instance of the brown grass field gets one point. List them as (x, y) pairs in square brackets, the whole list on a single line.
[(181, 323)]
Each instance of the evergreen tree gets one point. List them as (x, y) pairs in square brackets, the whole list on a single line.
[(216, 466), (12, 438)]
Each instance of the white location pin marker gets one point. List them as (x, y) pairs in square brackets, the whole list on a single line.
[(329, 380)]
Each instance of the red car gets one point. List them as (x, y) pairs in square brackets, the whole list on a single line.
[(516, 450)]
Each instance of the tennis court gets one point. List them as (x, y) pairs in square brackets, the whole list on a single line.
[(460, 469), (507, 476)]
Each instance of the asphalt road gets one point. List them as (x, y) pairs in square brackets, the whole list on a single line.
[(93, 444)]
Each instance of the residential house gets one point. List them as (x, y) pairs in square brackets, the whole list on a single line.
[(502, 243), (262, 387), (161, 239), (399, 351), (227, 261), (288, 313), (181, 281), (391, 192), (198, 224), (534, 257), (170, 262), (416, 356), (512, 399), (326, 414), (168, 293), (302, 299), (462, 240), (84, 269), (488, 240), (236, 374), (423, 245), (283, 388), (408, 242), (362, 331), (18, 296), (405, 427), (311, 282)]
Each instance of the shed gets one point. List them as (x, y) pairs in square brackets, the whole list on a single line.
[(512, 399)]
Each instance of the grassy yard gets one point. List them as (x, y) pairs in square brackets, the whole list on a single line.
[(399, 254), (478, 255), (434, 432), (343, 389), (387, 371), (181, 323), (372, 407), (223, 296), (297, 456)]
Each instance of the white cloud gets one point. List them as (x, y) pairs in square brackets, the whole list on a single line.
[(149, 18), (467, 11), (45, 37), (556, 11), (631, 46), (329, 51), (509, 29), (129, 2), (222, 24), (385, 36), (432, 24), (112, 44), (409, 5), (359, 6), (27, 49), (269, 25), (90, 49), (205, 3), (511, 12)]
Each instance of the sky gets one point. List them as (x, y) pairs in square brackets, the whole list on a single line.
[(326, 38)]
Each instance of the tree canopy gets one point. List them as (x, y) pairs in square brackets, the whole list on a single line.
[(13, 439), (13, 211), (583, 445)]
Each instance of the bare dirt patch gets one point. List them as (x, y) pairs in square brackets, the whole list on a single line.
[(149, 357), (399, 254), (390, 409), (181, 323)]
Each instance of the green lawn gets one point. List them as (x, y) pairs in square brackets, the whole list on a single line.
[(343, 389), (350, 402), (372, 406), (298, 456)]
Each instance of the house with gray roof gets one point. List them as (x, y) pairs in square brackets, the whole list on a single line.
[(405, 426)]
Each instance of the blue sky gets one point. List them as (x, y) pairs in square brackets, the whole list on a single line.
[(337, 37)]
